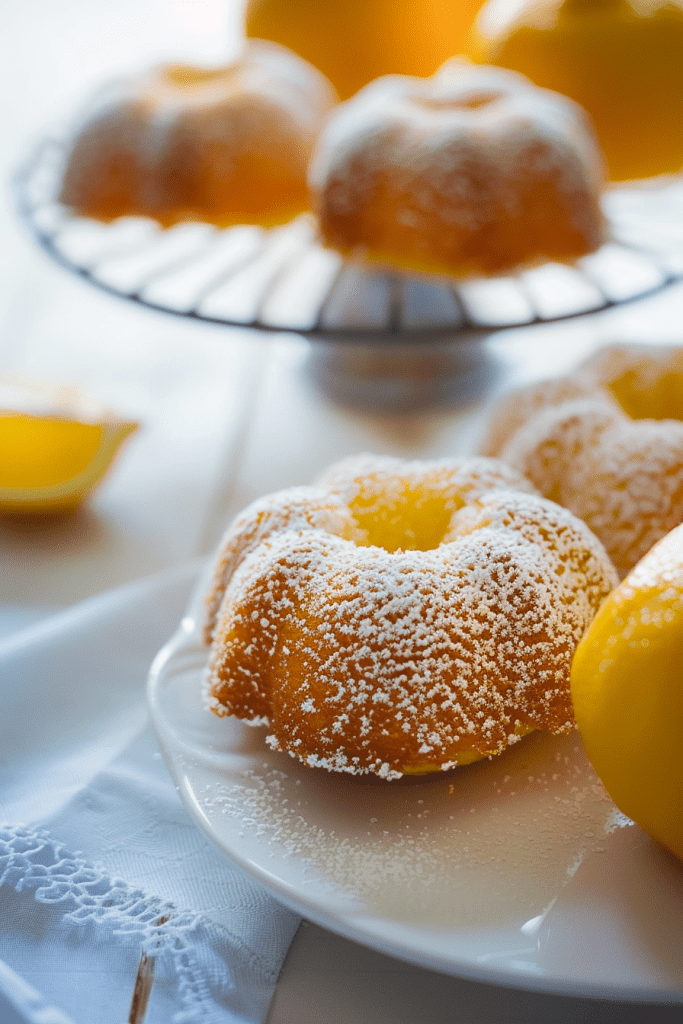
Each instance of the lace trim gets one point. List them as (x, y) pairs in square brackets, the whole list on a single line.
[(33, 861)]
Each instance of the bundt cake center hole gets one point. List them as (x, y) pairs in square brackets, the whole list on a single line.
[(185, 76), (660, 399), (411, 521), (472, 101)]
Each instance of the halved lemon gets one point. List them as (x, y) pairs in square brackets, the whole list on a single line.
[(54, 449), (627, 691)]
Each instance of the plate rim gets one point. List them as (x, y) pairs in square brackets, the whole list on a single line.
[(351, 926)]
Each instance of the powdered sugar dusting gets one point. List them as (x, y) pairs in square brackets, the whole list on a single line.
[(299, 508), (579, 447), (427, 654), (663, 567), (649, 600), (515, 409), (227, 145), (449, 846), (473, 170)]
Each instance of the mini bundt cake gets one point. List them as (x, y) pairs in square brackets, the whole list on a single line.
[(228, 145), (402, 617), (606, 442), (473, 171)]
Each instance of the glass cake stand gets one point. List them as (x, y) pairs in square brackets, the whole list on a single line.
[(378, 338)]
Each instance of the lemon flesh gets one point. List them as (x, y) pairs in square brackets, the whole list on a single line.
[(49, 462), (627, 691)]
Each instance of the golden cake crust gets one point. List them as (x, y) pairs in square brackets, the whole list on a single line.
[(473, 171), (415, 616), (605, 441), (226, 145)]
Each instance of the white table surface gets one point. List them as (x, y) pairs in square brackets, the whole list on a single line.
[(226, 415)]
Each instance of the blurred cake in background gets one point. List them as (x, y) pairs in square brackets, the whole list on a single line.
[(472, 171), (357, 41), (605, 441), (228, 145), (622, 60)]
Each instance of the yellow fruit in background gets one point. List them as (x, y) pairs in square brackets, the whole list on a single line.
[(622, 60), (53, 451), (627, 690), (355, 41)]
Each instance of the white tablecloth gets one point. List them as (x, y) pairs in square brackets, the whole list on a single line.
[(99, 860)]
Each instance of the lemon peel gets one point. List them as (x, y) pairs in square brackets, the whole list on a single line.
[(54, 449), (622, 60), (627, 692)]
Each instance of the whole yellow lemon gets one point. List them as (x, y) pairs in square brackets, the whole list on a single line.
[(627, 689), (622, 60), (356, 41)]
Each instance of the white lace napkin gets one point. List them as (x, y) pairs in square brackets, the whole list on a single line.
[(100, 866)]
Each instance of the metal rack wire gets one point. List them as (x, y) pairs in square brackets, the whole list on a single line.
[(283, 280)]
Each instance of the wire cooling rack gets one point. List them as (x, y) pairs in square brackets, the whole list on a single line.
[(282, 279)]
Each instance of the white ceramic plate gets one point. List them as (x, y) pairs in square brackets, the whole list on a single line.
[(517, 871)]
